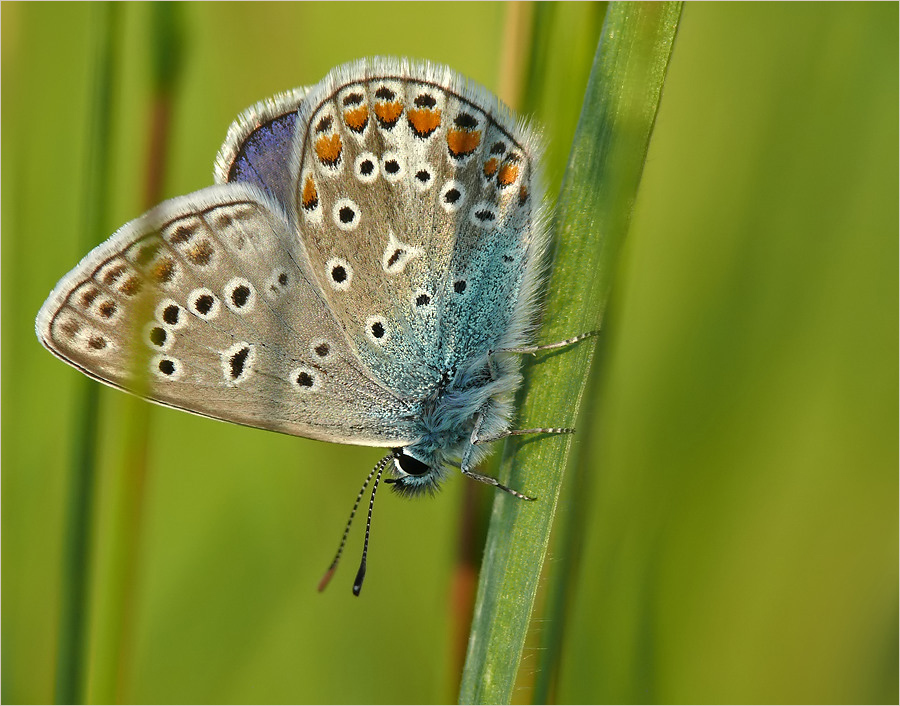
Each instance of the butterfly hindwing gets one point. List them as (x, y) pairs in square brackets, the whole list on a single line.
[(207, 304)]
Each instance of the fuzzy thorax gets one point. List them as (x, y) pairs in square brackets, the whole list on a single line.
[(472, 405)]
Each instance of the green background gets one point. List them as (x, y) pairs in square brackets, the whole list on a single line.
[(740, 543)]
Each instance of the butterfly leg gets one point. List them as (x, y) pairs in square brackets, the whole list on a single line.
[(475, 440), (547, 346), (466, 460), (520, 432), (534, 350), (526, 350), (497, 484)]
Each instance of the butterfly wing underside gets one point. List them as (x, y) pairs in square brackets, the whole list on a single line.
[(417, 200), (207, 304), (365, 237)]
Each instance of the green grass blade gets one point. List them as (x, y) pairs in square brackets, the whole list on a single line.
[(115, 632), (592, 219), (71, 659)]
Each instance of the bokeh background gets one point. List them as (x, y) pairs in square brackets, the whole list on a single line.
[(741, 443)]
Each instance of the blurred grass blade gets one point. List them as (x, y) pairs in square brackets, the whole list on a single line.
[(113, 672), (71, 661), (592, 218)]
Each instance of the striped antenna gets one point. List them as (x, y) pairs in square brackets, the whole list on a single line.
[(357, 585)]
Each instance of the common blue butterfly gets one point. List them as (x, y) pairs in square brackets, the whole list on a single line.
[(365, 270)]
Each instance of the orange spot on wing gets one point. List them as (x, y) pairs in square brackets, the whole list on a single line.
[(164, 270), (424, 120), (310, 197), (463, 142), (328, 148), (201, 253), (130, 286), (490, 167), (508, 174), (388, 113), (356, 118)]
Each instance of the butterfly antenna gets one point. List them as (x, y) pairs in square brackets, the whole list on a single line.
[(379, 467), (361, 574)]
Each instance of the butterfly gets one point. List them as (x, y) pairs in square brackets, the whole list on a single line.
[(366, 270)]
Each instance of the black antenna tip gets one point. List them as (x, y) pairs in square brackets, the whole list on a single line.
[(357, 587), (360, 575)]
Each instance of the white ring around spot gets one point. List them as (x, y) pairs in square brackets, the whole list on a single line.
[(386, 336), (357, 167), (312, 373), (195, 295), (344, 284), (229, 290), (341, 205), (176, 373)]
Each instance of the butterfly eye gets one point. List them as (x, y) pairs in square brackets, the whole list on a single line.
[(409, 465)]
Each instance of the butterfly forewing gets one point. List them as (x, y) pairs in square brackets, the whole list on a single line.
[(414, 199), (207, 304)]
